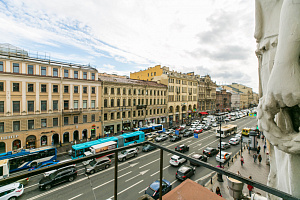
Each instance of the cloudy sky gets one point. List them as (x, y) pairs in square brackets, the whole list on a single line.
[(212, 37)]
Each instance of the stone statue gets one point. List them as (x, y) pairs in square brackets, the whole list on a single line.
[(277, 33)]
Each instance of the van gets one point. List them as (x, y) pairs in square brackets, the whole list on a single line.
[(246, 131), (11, 191)]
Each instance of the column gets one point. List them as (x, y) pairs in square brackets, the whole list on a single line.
[(97, 100), (8, 97), (37, 96), (71, 105), (89, 97), (50, 96), (80, 97), (23, 102)]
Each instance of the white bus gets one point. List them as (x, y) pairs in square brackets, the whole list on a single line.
[(4, 168), (226, 130)]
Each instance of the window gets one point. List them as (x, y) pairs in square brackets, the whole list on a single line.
[(75, 104), (93, 90), (93, 104), (43, 105), (134, 102), (16, 67), (75, 74), (129, 102), (124, 102), (84, 118), (134, 91), (154, 73), (118, 102), (30, 124), (43, 88), (93, 117), (123, 114), (84, 75), (129, 92), (66, 105), (105, 90), (15, 87), (66, 120), (148, 74), (133, 114), (66, 73), (118, 115), (75, 119), (93, 76), (55, 88), (151, 73), (1, 66), (129, 114), (43, 123), (84, 105), (1, 106), (55, 72), (1, 127), (30, 87), (55, 104), (16, 106), (118, 90), (66, 89), (29, 69), (30, 106), (43, 71), (105, 103), (75, 89), (55, 122), (105, 116), (1, 86), (112, 91), (111, 115), (84, 90), (16, 125), (124, 91)]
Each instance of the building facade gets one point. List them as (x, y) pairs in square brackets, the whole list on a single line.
[(206, 95), (44, 102), (223, 100)]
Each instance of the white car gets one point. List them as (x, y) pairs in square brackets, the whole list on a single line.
[(197, 121), (232, 118), (214, 125), (234, 141), (11, 191), (224, 157), (200, 126), (227, 120), (182, 126), (177, 160), (192, 128)]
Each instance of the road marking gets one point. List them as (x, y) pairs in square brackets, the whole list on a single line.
[(30, 186), (128, 188), (149, 163), (143, 190), (80, 169), (191, 153), (81, 174), (132, 165), (173, 182), (163, 169), (140, 174), (76, 196), (103, 184)]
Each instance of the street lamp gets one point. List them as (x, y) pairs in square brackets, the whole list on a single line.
[(220, 178)]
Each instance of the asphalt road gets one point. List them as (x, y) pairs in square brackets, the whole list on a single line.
[(135, 174)]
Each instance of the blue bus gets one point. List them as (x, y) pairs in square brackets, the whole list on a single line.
[(153, 128), (125, 139), (26, 158)]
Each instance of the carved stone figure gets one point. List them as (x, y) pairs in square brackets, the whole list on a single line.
[(278, 36)]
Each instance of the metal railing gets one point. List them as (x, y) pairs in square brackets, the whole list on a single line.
[(258, 185)]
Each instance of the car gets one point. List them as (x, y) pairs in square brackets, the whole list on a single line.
[(150, 139), (153, 189), (182, 148), (11, 191), (152, 135), (183, 131), (200, 126), (238, 136), (197, 121), (175, 138), (210, 151), (232, 118), (61, 175), (237, 117), (234, 141), (177, 160), (224, 157), (227, 119), (185, 172), (52, 171), (188, 134), (160, 138), (198, 156), (43, 164), (128, 153), (182, 126), (23, 181), (188, 124), (148, 147), (224, 145), (198, 130), (214, 125), (206, 128), (97, 164), (192, 128)]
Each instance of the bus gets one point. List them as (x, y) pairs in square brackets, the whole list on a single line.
[(226, 130), (4, 168), (152, 128), (246, 131), (26, 158), (125, 139)]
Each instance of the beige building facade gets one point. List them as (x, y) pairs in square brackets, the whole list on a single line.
[(206, 94)]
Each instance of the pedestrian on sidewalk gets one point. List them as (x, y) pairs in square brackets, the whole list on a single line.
[(238, 172), (60, 143), (255, 157), (218, 191), (248, 148), (265, 146), (242, 160), (258, 149), (259, 158), (250, 187)]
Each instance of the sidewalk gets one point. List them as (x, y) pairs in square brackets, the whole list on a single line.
[(258, 172)]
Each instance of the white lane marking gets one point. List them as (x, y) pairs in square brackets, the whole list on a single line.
[(188, 141), (173, 182), (76, 196), (191, 153), (111, 180), (169, 154), (81, 174), (143, 190), (163, 169), (149, 163), (80, 169), (132, 165), (128, 188), (140, 174), (30, 186)]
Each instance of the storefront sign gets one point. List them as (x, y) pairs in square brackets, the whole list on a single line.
[(9, 137)]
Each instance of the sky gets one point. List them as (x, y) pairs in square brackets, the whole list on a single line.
[(213, 37)]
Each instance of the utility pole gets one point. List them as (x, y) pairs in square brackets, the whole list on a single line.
[(220, 178)]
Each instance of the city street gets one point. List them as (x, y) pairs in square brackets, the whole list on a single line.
[(135, 174)]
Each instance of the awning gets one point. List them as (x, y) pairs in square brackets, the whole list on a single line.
[(203, 113)]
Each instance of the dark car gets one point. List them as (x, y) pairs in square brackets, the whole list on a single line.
[(210, 151), (200, 157), (148, 147), (188, 134), (175, 138), (183, 131), (153, 189), (59, 176), (185, 172), (182, 148), (188, 123)]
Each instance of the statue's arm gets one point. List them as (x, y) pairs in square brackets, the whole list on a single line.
[(258, 21)]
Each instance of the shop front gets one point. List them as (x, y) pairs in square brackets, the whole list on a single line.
[(183, 118), (84, 134), (93, 131), (66, 137), (108, 130), (16, 144), (30, 142), (76, 135), (2, 147), (170, 120), (126, 126), (44, 140), (55, 139)]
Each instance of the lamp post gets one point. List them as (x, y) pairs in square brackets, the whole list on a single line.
[(220, 178)]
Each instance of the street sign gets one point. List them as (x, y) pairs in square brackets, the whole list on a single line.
[(176, 132), (196, 135), (164, 130)]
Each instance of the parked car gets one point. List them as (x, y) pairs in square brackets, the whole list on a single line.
[(23, 181), (185, 172), (97, 164), (206, 128), (201, 126), (150, 139), (200, 157), (188, 134), (183, 131), (52, 171), (153, 189), (210, 151), (188, 123), (227, 120), (192, 128), (177, 160), (128, 153), (61, 175), (232, 119), (234, 141), (182, 148), (214, 125), (238, 136), (160, 138), (148, 147), (43, 164), (198, 130), (182, 126), (175, 138), (11, 191), (224, 157), (224, 145)]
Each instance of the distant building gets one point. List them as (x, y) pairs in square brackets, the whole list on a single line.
[(223, 100), (206, 94)]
